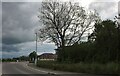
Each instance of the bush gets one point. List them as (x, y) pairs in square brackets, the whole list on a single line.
[(83, 52)]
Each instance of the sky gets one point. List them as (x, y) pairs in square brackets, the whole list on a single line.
[(19, 21)]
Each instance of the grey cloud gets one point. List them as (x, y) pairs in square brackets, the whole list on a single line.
[(119, 7), (19, 20), (0, 29), (21, 0), (26, 48), (31, 46), (107, 10), (10, 54), (9, 48)]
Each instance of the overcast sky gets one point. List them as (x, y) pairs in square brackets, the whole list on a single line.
[(19, 21)]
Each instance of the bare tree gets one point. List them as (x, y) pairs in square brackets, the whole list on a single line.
[(64, 23)]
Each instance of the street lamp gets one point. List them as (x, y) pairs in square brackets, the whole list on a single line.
[(36, 33)]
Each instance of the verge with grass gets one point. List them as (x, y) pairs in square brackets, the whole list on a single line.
[(93, 68)]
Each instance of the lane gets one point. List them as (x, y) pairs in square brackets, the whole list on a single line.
[(21, 69), (18, 68)]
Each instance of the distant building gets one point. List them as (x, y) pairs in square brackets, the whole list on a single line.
[(47, 56)]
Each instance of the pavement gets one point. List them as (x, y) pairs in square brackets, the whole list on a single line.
[(25, 69)]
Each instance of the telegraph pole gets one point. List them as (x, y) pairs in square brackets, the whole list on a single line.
[(36, 49)]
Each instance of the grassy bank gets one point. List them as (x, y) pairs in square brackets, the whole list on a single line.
[(93, 68)]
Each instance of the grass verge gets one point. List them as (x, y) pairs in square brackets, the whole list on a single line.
[(93, 68)]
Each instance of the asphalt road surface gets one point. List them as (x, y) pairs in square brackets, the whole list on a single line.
[(21, 69), (17, 68)]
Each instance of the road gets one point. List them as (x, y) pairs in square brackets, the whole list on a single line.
[(18, 69), (21, 69)]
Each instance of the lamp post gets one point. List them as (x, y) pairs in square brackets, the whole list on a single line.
[(36, 48)]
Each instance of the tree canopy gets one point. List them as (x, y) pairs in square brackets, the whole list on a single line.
[(102, 47), (32, 56), (65, 23), (107, 40)]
